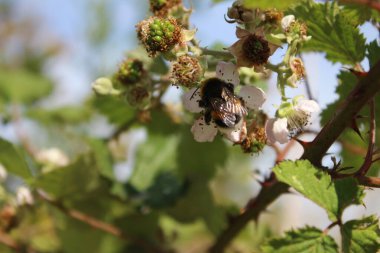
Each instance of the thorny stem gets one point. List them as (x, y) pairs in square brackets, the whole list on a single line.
[(365, 90), (371, 144)]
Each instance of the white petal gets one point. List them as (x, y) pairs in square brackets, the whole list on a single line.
[(276, 130), (228, 72), (236, 134), (280, 130), (253, 97), (203, 132), (306, 105), (286, 21), (191, 100), (24, 196)]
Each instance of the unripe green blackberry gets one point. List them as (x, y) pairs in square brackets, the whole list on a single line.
[(161, 8), (130, 72), (186, 71), (159, 34)]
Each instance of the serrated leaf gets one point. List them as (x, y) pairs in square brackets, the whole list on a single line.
[(77, 178), (316, 185), (278, 4), (361, 236), (359, 14), (332, 32), (304, 240), (22, 86), (63, 115), (373, 53), (12, 160)]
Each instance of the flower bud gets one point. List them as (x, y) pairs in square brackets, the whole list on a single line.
[(159, 34), (24, 196), (3, 173), (161, 8), (103, 86), (238, 13), (187, 71)]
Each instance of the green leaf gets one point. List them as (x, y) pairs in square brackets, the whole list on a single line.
[(63, 115), (360, 13), (157, 154), (278, 4), (361, 236), (304, 240), (332, 32), (12, 160), (165, 190), (116, 111), (200, 160), (316, 185), (22, 86), (373, 53), (102, 157), (74, 179)]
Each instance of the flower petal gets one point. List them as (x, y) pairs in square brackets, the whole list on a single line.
[(191, 99), (236, 134), (276, 130), (228, 72), (203, 132), (307, 106), (253, 97)]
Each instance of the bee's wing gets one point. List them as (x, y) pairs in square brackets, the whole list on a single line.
[(225, 112)]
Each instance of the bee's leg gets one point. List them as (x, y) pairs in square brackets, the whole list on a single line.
[(208, 117)]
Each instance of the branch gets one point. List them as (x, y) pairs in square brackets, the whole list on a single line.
[(91, 221), (371, 143), (365, 90)]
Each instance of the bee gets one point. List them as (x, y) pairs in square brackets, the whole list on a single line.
[(221, 104)]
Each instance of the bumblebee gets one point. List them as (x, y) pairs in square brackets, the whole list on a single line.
[(221, 104)]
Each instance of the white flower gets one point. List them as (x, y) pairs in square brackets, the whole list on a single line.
[(287, 21), (253, 99), (3, 173), (52, 157), (24, 196), (292, 118)]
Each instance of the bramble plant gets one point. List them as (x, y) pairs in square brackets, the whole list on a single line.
[(190, 187)]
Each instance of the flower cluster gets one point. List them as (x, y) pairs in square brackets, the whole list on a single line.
[(251, 97)]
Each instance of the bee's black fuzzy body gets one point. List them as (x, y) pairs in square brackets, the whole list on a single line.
[(221, 104)]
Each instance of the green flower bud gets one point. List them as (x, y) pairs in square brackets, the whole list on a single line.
[(103, 86), (161, 8)]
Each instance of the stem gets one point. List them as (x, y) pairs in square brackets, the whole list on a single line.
[(218, 54), (365, 90), (371, 144)]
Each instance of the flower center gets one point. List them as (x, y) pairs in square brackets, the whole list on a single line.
[(256, 49), (297, 120)]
